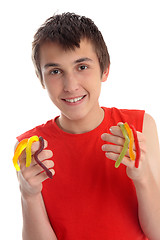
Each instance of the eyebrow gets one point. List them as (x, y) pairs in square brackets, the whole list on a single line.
[(51, 65), (76, 61), (82, 60)]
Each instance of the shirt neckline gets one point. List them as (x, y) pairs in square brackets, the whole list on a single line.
[(97, 129)]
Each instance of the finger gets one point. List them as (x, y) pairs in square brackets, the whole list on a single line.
[(115, 130), (41, 177), (110, 148), (35, 146), (34, 170), (113, 139), (113, 148), (126, 160), (118, 124), (45, 154)]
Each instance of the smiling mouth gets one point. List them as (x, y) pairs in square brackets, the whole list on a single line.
[(74, 100)]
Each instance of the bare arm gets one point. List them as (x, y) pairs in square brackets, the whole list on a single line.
[(148, 187), (146, 178), (36, 225)]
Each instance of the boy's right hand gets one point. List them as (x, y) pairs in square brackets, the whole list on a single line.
[(31, 178)]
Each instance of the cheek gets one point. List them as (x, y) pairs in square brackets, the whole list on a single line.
[(53, 88), (95, 85), (96, 89), (92, 81)]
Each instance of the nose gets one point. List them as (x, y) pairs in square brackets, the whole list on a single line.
[(70, 83)]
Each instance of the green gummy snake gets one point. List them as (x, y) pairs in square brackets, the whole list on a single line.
[(125, 146)]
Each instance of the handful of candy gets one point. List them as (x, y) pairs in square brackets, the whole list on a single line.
[(130, 135), (27, 144)]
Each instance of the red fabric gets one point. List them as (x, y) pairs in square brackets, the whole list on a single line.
[(89, 198)]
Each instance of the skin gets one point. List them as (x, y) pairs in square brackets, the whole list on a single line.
[(147, 177), (33, 208), (68, 75), (77, 74)]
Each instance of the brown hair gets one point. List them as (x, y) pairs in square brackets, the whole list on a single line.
[(68, 29)]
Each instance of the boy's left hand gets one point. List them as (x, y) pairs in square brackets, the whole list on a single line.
[(146, 177), (114, 145)]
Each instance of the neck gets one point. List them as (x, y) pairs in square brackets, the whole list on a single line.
[(92, 120)]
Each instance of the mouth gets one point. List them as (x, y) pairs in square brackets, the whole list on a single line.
[(74, 100)]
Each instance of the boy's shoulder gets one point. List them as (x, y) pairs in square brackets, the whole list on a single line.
[(132, 116)]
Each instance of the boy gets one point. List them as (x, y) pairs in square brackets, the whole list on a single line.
[(88, 198)]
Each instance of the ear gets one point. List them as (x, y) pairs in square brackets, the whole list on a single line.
[(105, 74)]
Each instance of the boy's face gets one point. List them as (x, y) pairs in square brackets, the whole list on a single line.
[(72, 78)]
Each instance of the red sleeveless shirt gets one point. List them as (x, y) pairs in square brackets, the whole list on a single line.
[(88, 198)]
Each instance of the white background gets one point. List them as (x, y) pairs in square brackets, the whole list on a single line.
[(131, 31)]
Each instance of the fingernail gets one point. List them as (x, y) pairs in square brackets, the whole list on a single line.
[(103, 148), (53, 172), (110, 129), (107, 154), (103, 135)]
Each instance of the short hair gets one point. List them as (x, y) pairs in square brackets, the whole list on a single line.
[(68, 29)]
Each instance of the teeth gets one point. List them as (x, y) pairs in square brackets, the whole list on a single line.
[(74, 100)]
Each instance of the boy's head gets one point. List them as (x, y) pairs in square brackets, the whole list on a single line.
[(68, 29)]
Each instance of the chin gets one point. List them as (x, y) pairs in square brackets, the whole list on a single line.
[(75, 116)]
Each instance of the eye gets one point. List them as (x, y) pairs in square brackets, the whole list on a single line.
[(82, 67), (55, 72)]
